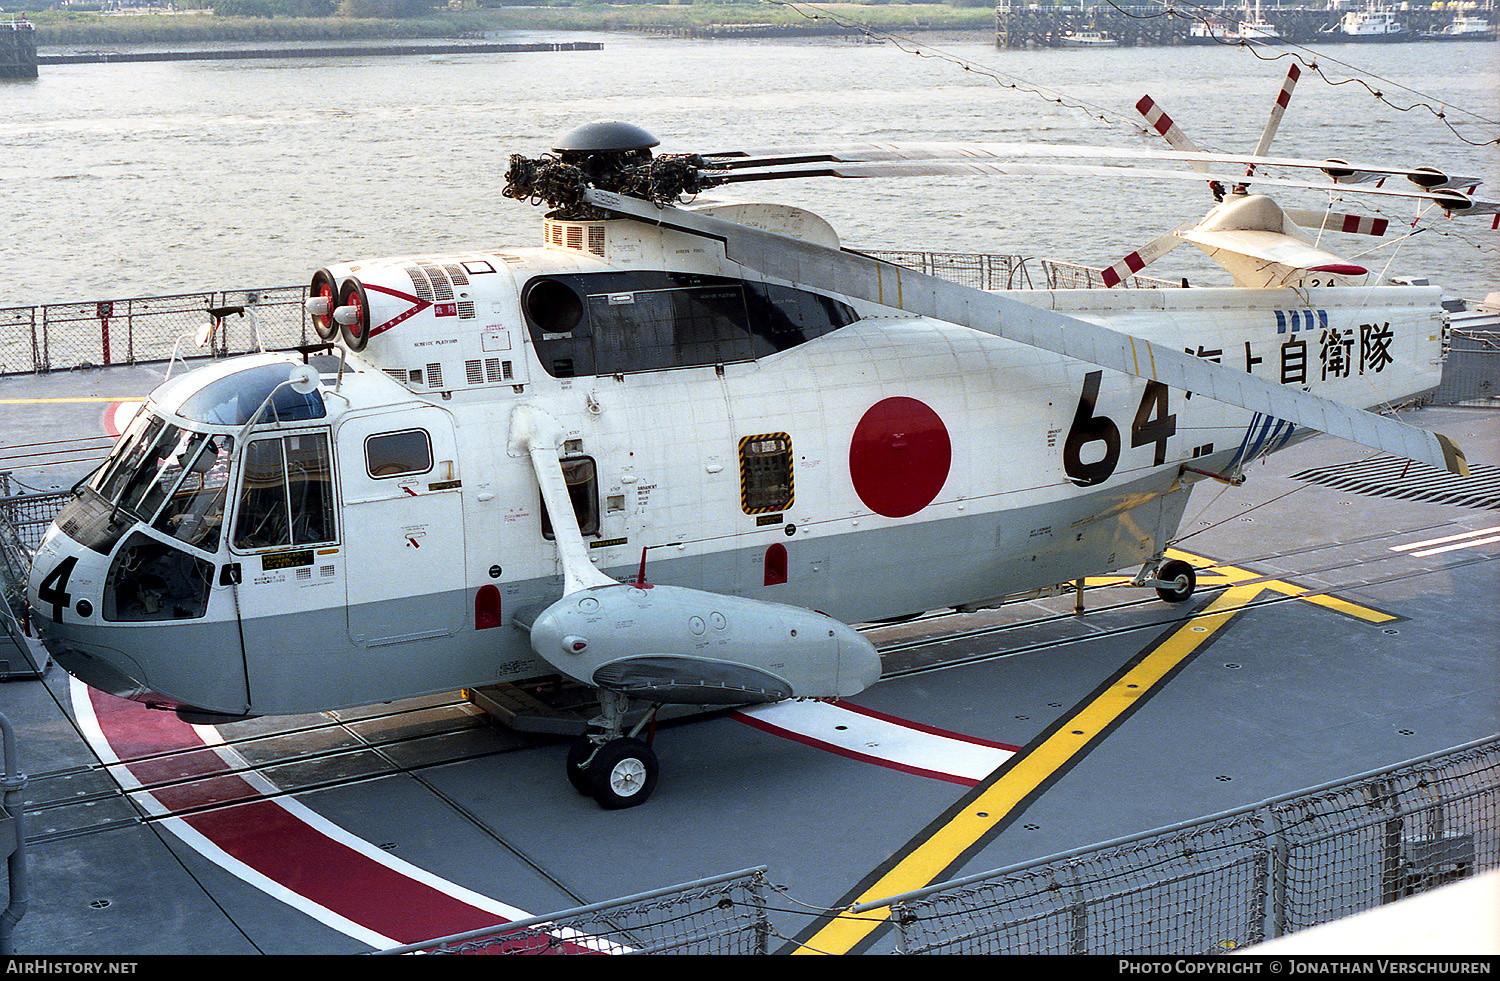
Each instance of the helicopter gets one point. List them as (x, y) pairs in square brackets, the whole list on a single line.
[(681, 450)]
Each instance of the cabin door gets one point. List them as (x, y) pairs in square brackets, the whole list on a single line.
[(287, 566), (403, 515)]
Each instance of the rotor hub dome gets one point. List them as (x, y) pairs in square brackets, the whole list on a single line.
[(605, 136)]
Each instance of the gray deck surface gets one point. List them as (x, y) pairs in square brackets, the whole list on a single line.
[(1287, 696)]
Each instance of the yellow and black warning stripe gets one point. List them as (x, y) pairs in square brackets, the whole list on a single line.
[(766, 482)]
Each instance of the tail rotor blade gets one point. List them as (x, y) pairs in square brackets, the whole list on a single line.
[(1145, 255), (1156, 117), (1278, 109)]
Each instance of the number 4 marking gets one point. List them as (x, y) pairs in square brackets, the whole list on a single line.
[(1152, 422), (54, 588)]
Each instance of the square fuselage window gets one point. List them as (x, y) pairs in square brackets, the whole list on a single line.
[(766, 473), (398, 454)]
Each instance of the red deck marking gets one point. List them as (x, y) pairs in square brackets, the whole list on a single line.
[(827, 747), (118, 415), (283, 848), (921, 727), (272, 840)]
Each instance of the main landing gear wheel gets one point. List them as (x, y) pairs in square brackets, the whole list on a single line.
[(578, 763), (1182, 578), (622, 774)]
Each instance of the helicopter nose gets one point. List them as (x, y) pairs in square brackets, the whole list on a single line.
[(110, 671)]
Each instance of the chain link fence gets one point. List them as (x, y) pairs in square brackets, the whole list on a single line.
[(1011, 272), (722, 915), (59, 336), (1471, 366), (1232, 880)]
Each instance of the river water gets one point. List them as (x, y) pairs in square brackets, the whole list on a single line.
[(136, 179)]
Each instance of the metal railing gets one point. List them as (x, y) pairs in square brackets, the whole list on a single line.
[(1471, 366), (724, 914), (1231, 880), (56, 336), (134, 330), (1011, 272)]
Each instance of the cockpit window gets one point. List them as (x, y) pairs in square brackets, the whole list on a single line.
[(286, 493), (169, 457), (195, 510), (233, 399), (129, 453)]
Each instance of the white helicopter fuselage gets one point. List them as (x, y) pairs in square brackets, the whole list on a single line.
[(836, 456)]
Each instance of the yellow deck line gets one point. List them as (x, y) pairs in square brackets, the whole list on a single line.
[(925, 861), (1238, 576), (931, 857)]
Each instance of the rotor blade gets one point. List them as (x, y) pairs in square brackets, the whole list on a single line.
[(1430, 178), (792, 156), (859, 276), (1145, 255), (1278, 109), (1157, 118), (1449, 200), (1332, 221)]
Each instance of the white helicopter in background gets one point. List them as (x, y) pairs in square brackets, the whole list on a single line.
[(677, 451)]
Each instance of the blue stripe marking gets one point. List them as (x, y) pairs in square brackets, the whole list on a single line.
[(1300, 320), (1239, 454)]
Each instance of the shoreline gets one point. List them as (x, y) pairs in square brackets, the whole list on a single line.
[(54, 34), (418, 47)]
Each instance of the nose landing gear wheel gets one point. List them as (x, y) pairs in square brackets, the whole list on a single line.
[(622, 774)]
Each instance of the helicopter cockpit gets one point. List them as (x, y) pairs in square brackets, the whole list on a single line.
[(156, 508)]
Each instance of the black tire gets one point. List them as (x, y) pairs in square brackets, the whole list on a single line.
[(1184, 577), (623, 774), (578, 754)]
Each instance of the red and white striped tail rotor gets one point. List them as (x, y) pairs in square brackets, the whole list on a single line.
[(1145, 255), (1157, 118), (1278, 109), (1332, 221)]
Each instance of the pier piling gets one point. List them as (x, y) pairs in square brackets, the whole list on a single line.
[(17, 49)]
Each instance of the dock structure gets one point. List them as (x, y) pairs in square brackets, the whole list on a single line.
[(17, 49), (1021, 24)]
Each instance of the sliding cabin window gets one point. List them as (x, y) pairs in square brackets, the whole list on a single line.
[(286, 493), (398, 454), (582, 478), (766, 473), (616, 323)]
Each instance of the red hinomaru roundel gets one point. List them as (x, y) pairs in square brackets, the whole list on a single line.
[(899, 457)]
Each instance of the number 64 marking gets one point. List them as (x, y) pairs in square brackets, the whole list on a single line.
[(1153, 425)]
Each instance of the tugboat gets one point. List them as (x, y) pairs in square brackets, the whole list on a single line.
[(1372, 24), (1463, 28)]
